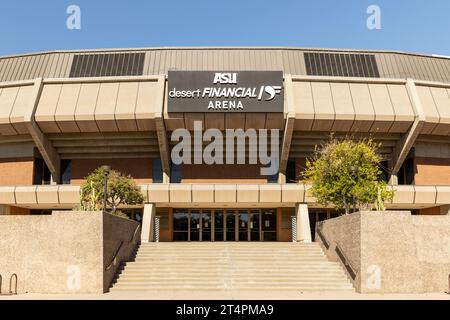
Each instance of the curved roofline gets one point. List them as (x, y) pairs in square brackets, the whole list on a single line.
[(227, 48)]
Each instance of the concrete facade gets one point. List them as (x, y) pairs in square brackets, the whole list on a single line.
[(77, 248), (391, 252)]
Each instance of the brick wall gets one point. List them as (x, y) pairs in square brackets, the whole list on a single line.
[(16, 171), (217, 173), (139, 169), (432, 171)]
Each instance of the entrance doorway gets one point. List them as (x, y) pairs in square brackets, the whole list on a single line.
[(224, 225)]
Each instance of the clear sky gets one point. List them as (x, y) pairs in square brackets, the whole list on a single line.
[(408, 25)]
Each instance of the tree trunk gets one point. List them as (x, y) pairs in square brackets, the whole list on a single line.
[(346, 206)]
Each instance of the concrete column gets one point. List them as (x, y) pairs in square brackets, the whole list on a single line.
[(303, 228), (148, 222), (282, 178), (393, 180)]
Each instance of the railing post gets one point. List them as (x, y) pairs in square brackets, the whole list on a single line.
[(448, 284), (294, 228), (1, 280), (156, 233), (10, 284)]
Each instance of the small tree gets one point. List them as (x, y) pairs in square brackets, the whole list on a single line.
[(346, 174), (121, 190)]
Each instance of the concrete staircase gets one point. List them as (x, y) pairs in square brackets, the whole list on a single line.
[(239, 266)]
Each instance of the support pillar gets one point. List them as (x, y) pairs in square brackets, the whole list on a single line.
[(148, 223), (44, 145), (281, 177), (393, 180), (303, 227), (166, 178)]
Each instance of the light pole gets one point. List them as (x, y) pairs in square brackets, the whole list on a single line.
[(106, 170), (354, 171)]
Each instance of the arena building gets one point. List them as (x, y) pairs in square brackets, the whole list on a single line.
[(65, 113)]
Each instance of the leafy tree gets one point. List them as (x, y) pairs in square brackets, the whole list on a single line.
[(346, 174), (121, 190)]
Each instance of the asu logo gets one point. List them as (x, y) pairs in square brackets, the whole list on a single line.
[(225, 78)]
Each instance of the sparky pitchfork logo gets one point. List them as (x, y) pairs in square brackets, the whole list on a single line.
[(272, 91)]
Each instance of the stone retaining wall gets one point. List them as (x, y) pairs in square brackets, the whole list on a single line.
[(66, 252), (393, 251)]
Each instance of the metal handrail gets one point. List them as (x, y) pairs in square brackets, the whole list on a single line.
[(115, 255), (322, 236), (14, 275), (345, 261), (134, 234), (1, 281)]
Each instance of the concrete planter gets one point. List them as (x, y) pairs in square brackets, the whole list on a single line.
[(66, 252), (391, 251)]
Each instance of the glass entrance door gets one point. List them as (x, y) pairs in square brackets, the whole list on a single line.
[(243, 225), (218, 225), (269, 224), (194, 225), (224, 224), (255, 225), (230, 224), (206, 226)]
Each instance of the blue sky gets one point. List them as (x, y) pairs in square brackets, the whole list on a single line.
[(408, 25)]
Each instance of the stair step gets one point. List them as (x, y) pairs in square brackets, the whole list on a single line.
[(275, 281), (239, 266), (215, 288), (236, 273)]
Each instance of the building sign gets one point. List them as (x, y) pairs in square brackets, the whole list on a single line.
[(225, 91)]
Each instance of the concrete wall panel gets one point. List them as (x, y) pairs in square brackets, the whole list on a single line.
[(7, 195), (105, 107), (7, 98), (248, 193), (270, 193), (364, 112), (303, 105), (126, 106), (292, 193), (224, 193), (202, 193), (429, 108), (158, 193), (323, 106), (45, 111), (25, 195), (180, 193), (47, 195), (20, 107), (65, 110), (85, 110), (343, 106), (384, 113)]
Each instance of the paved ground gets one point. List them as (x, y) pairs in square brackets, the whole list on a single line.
[(228, 295)]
